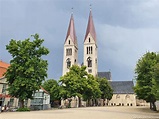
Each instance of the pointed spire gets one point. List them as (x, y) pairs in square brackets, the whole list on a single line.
[(90, 26), (71, 30)]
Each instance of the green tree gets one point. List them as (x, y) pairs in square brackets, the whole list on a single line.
[(27, 69), (156, 79), (74, 82), (145, 78), (77, 82), (53, 88), (106, 89), (92, 90)]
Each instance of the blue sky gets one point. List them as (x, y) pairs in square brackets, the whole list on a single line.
[(125, 30)]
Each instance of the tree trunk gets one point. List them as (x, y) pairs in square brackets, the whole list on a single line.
[(22, 103), (107, 102), (151, 105), (79, 101), (104, 102)]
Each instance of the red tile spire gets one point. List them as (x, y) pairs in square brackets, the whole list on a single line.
[(90, 27), (71, 31)]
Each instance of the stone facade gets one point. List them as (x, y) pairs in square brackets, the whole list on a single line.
[(123, 100)]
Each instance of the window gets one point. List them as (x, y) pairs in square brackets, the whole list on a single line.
[(68, 63), (89, 70), (127, 96), (11, 102), (87, 50), (89, 40), (117, 96), (69, 42), (68, 51), (38, 94), (75, 60), (91, 50), (4, 88), (89, 60)]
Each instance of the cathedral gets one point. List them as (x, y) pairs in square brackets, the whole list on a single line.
[(90, 47), (123, 94)]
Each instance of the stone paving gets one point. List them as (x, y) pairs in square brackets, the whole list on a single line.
[(86, 113)]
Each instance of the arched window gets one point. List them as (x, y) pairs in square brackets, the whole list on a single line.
[(68, 61), (127, 96), (69, 42), (89, 60), (117, 96)]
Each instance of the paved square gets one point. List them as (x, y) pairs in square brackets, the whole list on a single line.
[(86, 113)]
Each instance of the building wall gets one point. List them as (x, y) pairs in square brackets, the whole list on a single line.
[(73, 57), (40, 101), (123, 100), (6, 99)]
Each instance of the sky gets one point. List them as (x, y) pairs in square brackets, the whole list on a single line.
[(126, 29)]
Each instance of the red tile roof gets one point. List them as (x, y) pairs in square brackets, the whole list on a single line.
[(71, 31), (90, 27), (4, 64), (3, 68), (43, 89)]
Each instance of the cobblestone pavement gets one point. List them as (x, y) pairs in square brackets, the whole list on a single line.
[(86, 113)]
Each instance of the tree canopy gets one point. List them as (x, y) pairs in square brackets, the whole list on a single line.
[(147, 77), (53, 88), (77, 82), (106, 89), (27, 68), (92, 90)]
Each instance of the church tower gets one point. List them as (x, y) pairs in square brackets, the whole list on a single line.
[(70, 47), (90, 47)]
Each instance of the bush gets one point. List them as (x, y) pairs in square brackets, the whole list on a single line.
[(23, 109)]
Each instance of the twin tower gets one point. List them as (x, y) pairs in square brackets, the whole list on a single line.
[(90, 48)]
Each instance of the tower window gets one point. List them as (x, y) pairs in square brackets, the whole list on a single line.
[(89, 70), (68, 51), (89, 60), (69, 42), (68, 61), (89, 40), (91, 50)]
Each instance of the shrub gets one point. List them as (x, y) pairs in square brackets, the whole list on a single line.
[(23, 109)]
